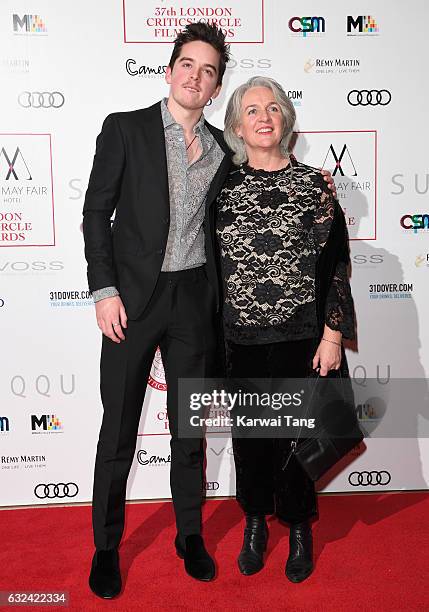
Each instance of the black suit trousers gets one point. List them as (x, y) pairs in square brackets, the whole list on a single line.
[(180, 319)]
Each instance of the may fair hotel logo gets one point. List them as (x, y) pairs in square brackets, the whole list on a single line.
[(351, 157), (26, 192), (153, 21)]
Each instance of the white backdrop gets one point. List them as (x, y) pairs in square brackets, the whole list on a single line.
[(64, 67)]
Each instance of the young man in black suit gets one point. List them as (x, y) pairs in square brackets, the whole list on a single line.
[(154, 281)]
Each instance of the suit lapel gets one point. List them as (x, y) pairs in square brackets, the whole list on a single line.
[(157, 157), (153, 127), (223, 169)]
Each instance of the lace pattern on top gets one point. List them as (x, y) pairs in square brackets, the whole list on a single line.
[(272, 226)]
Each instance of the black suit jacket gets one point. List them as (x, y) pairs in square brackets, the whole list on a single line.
[(129, 174)]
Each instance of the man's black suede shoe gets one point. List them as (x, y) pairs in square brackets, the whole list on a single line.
[(198, 562), (105, 577)]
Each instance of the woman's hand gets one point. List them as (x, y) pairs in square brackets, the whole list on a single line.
[(327, 177), (328, 354)]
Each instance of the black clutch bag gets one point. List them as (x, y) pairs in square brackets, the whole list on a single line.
[(337, 429)]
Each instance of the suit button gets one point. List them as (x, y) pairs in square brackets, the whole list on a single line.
[(166, 220), (160, 251)]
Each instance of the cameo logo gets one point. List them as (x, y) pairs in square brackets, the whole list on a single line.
[(41, 99), (361, 25), (415, 222), (59, 491), (4, 424), (153, 460), (29, 24), (48, 423), (211, 486), (369, 97), (143, 70), (338, 160), (156, 378), (307, 25), (14, 163), (364, 479)]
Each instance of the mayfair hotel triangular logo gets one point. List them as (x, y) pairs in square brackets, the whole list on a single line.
[(14, 166)]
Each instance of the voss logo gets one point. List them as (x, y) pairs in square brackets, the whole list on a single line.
[(14, 165)]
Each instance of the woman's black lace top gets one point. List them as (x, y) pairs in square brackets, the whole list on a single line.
[(271, 227)]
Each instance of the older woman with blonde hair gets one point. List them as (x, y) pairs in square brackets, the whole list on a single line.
[(287, 301)]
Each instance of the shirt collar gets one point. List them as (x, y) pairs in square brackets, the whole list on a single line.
[(168, 119)]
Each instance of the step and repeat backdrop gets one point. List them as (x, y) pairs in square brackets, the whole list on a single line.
[(358, 84)]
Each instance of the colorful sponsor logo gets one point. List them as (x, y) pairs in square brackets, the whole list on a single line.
[(47, 423), (416, 222), (28, 24), (361, 25), (307, 26)]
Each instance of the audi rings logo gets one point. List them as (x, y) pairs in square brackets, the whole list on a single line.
[(364, 479), (41, 99), (369, 97), (59, 491)]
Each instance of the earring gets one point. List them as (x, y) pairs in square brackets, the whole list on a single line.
[(210, 102)]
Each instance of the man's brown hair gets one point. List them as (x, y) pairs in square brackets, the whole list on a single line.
[(208, 33)]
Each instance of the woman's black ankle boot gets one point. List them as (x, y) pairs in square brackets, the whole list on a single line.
[(300, 562)]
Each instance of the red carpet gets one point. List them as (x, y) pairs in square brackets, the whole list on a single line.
[(371, 554)]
